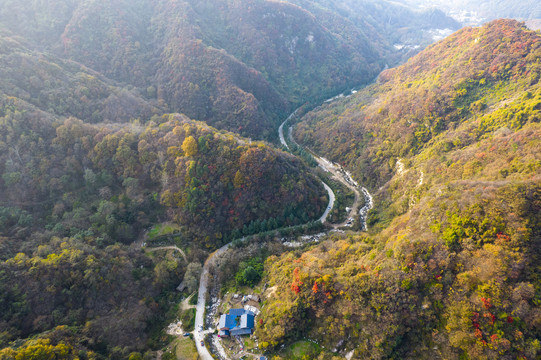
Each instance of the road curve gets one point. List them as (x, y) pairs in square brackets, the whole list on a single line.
[(341, 175), (169, 248), (199, 334), (323, 218), (199, 331), (281, 134), (281, 129)]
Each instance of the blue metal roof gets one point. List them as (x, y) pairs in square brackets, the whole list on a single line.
[(236, 332), (236, 312), (247, 321), (229, 322)]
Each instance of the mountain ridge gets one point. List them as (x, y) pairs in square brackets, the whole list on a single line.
[(448, 266), (174, 51), (99, 154)]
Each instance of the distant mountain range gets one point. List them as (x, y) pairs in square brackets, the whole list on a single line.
[(472, 12), (239, 66)]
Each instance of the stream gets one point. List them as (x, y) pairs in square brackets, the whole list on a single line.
[(339, 173)]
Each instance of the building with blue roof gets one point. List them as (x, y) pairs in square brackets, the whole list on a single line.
[(237, 322)]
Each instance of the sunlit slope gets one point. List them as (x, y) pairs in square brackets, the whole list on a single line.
[(449, 144), (237, 66)]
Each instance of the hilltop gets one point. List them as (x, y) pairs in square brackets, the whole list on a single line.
[(73, 195)]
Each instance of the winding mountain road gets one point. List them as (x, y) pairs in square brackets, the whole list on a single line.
[(281, 129), (199, 332), (340, 174), (330, 167), (323, 217), (345, 178)]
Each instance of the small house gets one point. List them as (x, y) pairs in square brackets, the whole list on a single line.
[(237, 322)]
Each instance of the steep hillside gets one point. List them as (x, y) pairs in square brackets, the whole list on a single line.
[(209, 182), (219, 61), (65, 88), (408, 29), (484, 78), (455, 278), (72, 194), (239, 66), (449, 144)]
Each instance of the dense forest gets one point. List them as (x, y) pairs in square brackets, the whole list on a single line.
[(87, 164), (485, 78), (239, 66), (73, 193), (449, 143), (218, 61), (119, 117), (65, 88)]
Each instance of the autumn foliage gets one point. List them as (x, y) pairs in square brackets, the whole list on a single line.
[(449, 145)]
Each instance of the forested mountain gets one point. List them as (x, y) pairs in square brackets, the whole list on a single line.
[(404, 27), (66, 88), (208, 180), (449, 144), (88, 161), (72, 193), (465, 79), (220, 61), (239, 66), (119, 115)]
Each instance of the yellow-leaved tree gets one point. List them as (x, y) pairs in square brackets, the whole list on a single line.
[(189, 146)]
